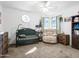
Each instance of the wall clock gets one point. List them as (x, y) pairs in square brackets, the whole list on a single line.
[(25, 18)]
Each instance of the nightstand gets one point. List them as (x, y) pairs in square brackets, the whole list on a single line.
[(63, 39)]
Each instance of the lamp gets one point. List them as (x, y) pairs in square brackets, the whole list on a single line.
[(19, 26)]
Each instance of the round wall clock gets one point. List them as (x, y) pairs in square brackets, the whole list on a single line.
[(25, 18)]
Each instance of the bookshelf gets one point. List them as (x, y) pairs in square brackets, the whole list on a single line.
[(75, 31)]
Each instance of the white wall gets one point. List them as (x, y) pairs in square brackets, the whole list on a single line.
[(1, 19), (66, 26), (11, 19), (71, 11)]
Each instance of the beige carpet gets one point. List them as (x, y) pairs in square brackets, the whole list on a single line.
[(43, 50)]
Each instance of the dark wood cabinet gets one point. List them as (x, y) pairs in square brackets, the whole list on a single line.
[(75, 41), (75, 31), (63, 39), (3, 43)]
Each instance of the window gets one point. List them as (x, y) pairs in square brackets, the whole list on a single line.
[(53, 22)]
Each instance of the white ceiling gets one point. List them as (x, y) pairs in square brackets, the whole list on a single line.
[(34, 6)]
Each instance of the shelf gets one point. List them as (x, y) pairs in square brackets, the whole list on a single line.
[(75, 22), (76, 16), (75, 34), (75, 29)]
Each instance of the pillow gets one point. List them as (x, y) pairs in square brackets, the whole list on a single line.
[(22, 36)]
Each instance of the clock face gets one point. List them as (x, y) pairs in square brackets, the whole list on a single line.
[(25, 18)]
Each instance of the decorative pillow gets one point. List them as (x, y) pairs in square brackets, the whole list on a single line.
[(22, 36)]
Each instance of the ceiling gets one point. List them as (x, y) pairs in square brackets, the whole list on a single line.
[(34, 6)]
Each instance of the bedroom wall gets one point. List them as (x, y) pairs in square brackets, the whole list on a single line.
[(66, 26), (1, 18), (11, 19)]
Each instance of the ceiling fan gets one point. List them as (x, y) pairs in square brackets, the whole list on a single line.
[(45, 6)]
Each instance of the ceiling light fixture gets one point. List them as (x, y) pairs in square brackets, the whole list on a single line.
[(44, 6)]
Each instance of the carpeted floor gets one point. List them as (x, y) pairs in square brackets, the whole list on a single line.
[(43, 50)]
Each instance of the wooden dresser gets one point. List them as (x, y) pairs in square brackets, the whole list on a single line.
[(3, 43), (63, 39)]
